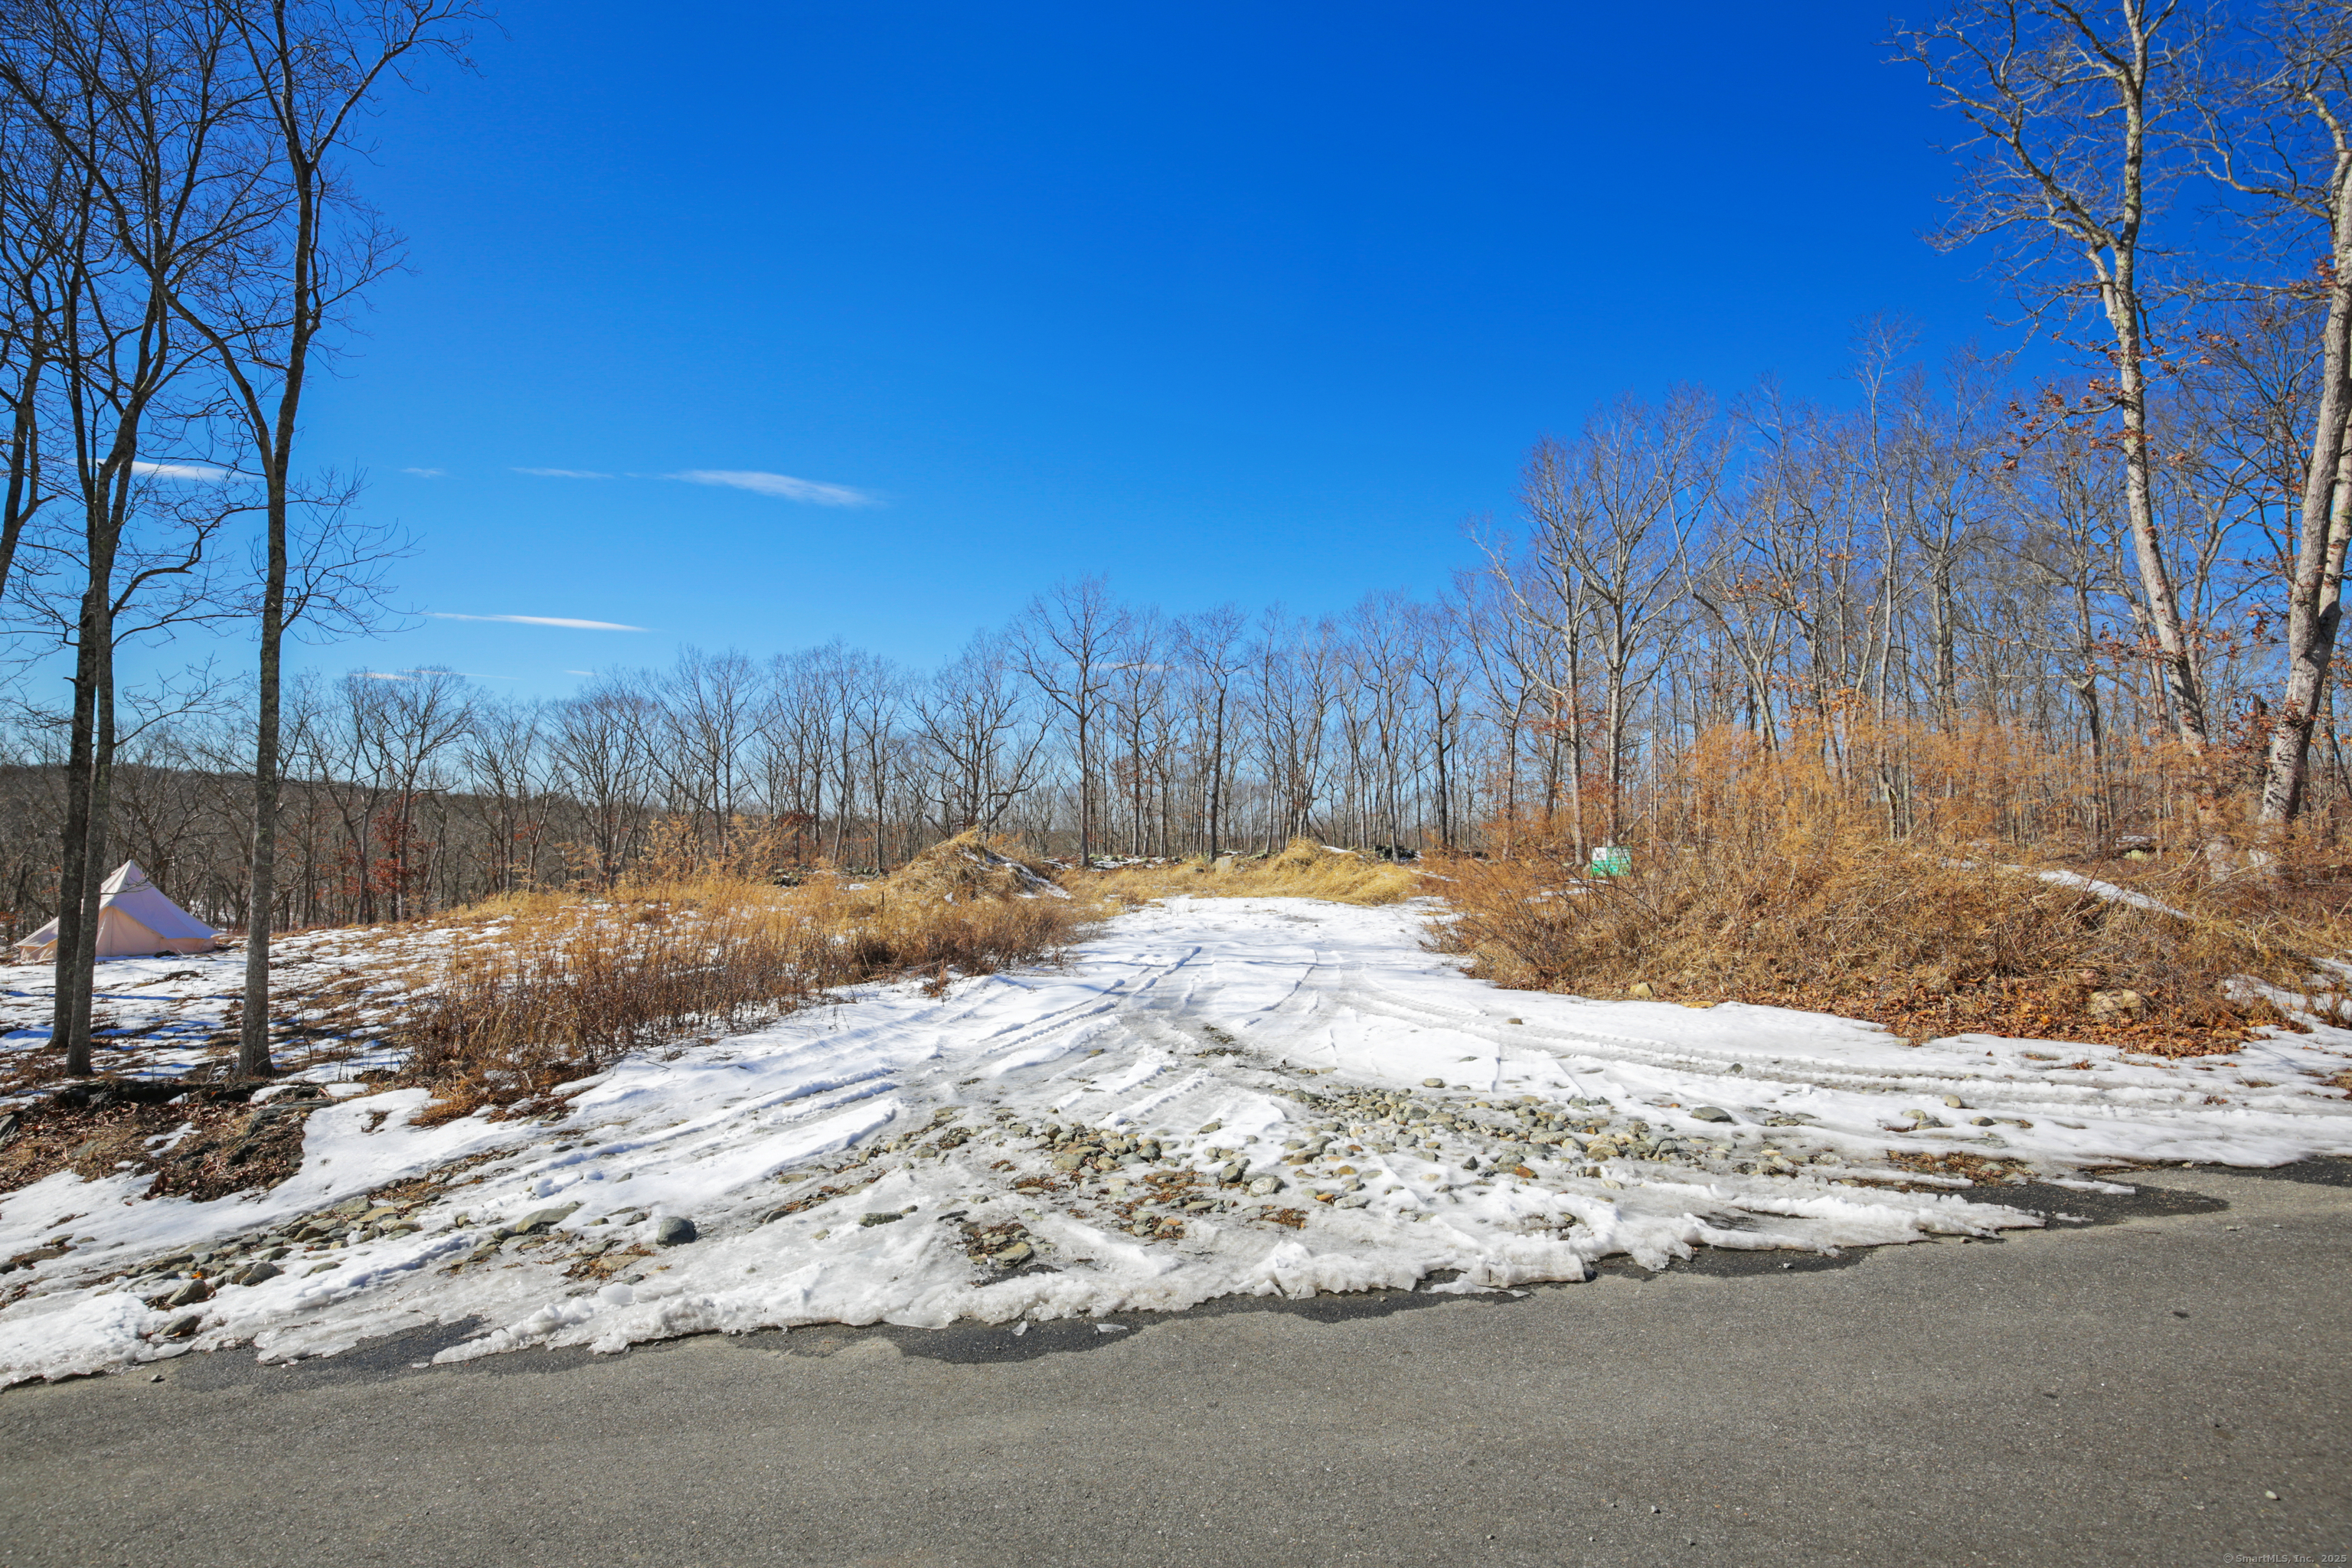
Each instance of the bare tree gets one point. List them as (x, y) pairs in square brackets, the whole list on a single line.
[(2078, 117), (1067, 643), (971, 716), (141, 129), (1211, 643), (2286, 140)]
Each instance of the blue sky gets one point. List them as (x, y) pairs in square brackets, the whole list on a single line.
[(1226, 301)]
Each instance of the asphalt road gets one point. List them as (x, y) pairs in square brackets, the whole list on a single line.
[(2130, 1392)]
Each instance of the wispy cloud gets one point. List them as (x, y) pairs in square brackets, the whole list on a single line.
[(432, 669), (579, 672), (563, 473), (199, 473), (425, 473), (575, 625), (782, 486)]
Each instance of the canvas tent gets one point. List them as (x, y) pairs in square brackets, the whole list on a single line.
[(134, 920)]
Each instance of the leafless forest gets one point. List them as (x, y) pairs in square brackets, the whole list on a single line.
[(2077, 587)]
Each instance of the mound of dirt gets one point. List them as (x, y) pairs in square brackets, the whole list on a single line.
[(971, 868)]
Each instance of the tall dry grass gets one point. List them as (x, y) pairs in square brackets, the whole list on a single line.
[(1303, 869), (1783, 884), (538, 989)]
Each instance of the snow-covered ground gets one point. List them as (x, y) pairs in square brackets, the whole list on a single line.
[(1213, 1097), (161, 1017)]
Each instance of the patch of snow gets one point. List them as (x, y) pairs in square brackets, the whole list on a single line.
[(1270, 1043)]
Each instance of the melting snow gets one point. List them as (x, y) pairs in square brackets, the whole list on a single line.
[(1261, 1067)]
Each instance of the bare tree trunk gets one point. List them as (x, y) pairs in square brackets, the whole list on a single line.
[(2063, 97), (261, 891)]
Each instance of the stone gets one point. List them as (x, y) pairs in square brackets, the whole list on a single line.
[(1264, 1186), (182, 1328), (1711, 1113), (674, 1230), (543, 1219), (189, 1294), (1012, 1257), (1642, 991), (1433, 1083), (255, 1273), (322, 1267), (2118, 1004), (888, 1217), (1956, 1102), (1980, 1121)]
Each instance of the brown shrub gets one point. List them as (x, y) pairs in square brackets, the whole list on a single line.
[(544, 988), (1824, 913)]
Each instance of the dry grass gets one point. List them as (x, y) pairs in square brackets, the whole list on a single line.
[(546, 988), (1303, 869), (1819, 910)]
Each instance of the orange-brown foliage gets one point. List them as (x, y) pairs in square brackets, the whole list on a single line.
[(1800, 878)]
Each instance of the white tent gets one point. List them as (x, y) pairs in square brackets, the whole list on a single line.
[(134, 920)]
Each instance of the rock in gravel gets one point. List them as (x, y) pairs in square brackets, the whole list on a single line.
[(1956, 1102), (255, 1273), (1711, 1113), (1264, 1185), (182, 1328), (1015, 1256), (189, 1294), (674, 1230), (539, 1220), (888, 1217), (1433, 1083)]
